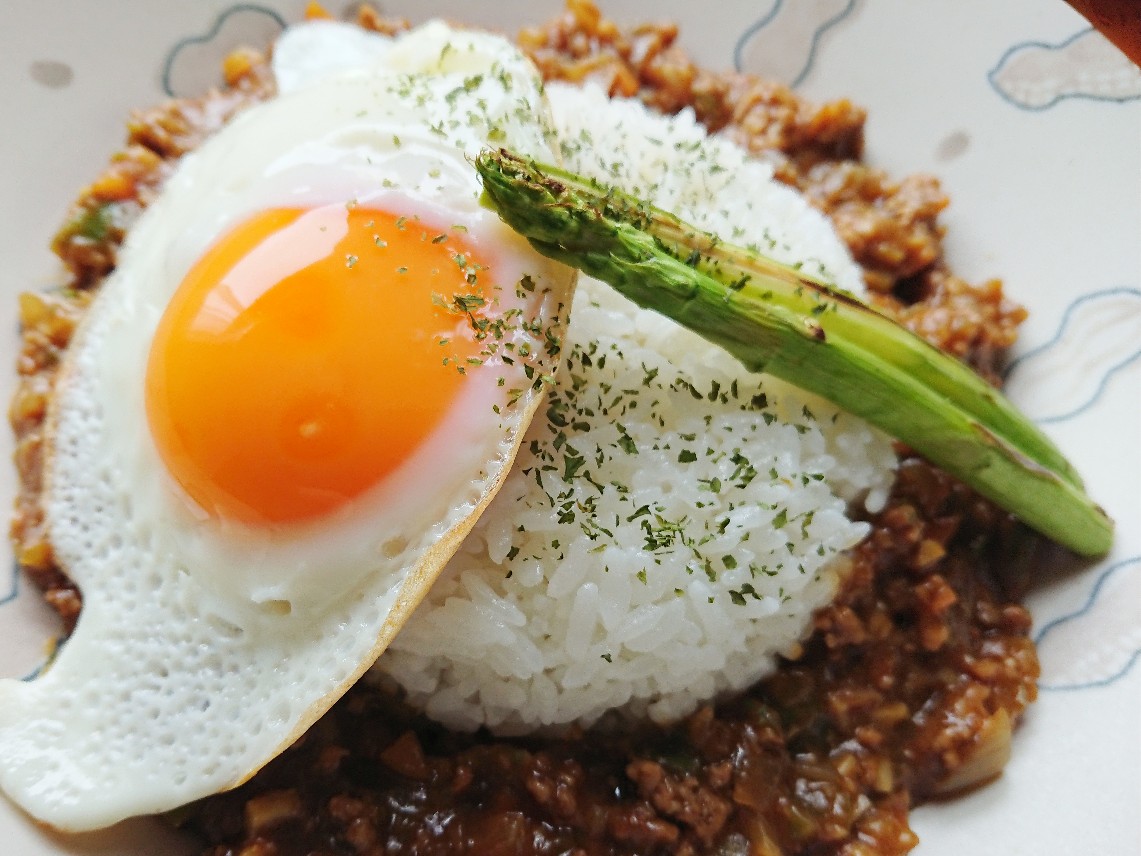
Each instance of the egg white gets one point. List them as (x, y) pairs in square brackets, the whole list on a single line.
[(205, 648)]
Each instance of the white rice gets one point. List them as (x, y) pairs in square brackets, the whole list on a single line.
[(674, 521)]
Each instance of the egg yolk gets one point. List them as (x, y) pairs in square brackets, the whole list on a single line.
[(308, 354)]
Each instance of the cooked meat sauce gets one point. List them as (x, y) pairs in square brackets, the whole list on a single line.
[(907, 689)]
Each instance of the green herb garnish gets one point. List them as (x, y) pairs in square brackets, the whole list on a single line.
[(780, 320)]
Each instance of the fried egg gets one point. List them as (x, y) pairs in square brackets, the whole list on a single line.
[(287, 406)]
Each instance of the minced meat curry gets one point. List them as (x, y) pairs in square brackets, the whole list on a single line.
[(907, 689)]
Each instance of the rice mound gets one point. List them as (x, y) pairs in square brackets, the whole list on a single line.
[(673, 522)]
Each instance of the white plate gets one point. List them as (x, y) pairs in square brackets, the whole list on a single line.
[(1032, 121)]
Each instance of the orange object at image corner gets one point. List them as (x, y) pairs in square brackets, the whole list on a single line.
[(1118, 20)]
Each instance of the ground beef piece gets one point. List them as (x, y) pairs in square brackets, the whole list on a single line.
[(889, 226), (681, 797), (768, 119)]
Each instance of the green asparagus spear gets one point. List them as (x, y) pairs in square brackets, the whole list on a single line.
[(778, 320)]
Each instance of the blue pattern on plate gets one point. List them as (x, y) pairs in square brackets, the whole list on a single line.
[(182, 44), (1093, 604), (14, 594), (14, 587), (1058, 342), (755, 28), (1031, 75)]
